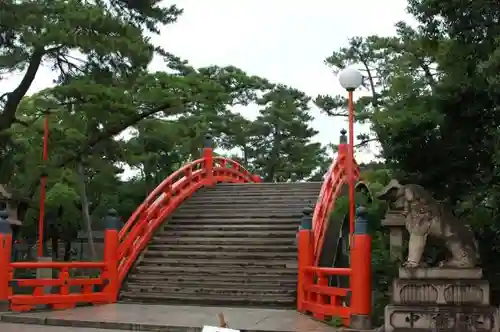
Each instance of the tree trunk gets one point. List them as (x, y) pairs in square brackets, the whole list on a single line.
[(245, 155), (55, 248), (67, 251), (85, 210), (274, 156)]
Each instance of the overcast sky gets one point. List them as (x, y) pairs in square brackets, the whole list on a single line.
[(284, 41)]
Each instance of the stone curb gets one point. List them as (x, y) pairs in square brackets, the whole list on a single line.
[(12, 318)]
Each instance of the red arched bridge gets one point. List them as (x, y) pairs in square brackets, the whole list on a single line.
[(212, 233)]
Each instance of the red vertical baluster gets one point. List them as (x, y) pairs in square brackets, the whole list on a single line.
[(5, 255), (111, 243)]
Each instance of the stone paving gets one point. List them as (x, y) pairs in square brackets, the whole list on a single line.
[(9, 327), (171, 318)]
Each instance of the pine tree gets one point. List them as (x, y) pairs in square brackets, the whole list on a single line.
[(283, 149)]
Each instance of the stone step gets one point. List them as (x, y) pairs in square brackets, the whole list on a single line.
[(152, 253), (232, 234), (226, 279), (249, 204), (259, 188), (260, 191), (255, 248), (247, 208), (269, 272), (210, 289), (284, 210), (229, 227), (310, 197), (273, 186), (233, 221), (274, 200), (270, 184), (219, 240), (226, 245), (228, 213), (228, 263), (258, 301)]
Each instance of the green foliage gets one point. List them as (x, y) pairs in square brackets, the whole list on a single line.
[(434, 91), (283, 147), (429, 93), (335, 322), (125, 127), (433, 107)]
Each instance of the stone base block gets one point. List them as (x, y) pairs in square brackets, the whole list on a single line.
[(440, 273), (440, 318), (4, 306), (361, 322), (441, 292)]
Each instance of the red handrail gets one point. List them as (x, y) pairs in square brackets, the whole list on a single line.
[(121, 248), (71, 290), (314, 294), (168, 195), (330, 191)]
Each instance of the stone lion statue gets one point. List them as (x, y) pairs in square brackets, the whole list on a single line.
[(426, 216)]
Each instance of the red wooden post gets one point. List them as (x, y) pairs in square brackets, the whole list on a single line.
[(111, 244), (305, 259), (305, 256), (5, 255), (361, 277), (208, 156)]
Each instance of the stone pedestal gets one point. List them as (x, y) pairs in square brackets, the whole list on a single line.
[(45, 273), (396, 224), (440, 299)]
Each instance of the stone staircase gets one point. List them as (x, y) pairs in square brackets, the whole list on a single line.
[(233, 245)]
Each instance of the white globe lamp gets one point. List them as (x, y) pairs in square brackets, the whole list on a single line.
[(350, 79)]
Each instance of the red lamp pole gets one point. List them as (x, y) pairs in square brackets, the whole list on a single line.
[(360, 246), (43, 184)]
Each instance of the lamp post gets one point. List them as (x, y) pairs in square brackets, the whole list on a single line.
[(350, 79), (360, 239), (43, 185)]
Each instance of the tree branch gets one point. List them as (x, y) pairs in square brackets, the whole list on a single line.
[(103, 136), (366, 141), (330, 113), (8, 116), (4, 95)]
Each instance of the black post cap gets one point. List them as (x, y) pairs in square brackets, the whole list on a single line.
[(307, 210), (306, 220), (112, 212), (361, 221), (4, 222), (361, 211), (208, 142), (112, 219), (343, 136)]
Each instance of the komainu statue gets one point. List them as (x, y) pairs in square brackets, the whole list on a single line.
[(425, 216)]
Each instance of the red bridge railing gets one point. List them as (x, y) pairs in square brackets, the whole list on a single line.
[(122, 248), (314, 295), (68, 288)]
